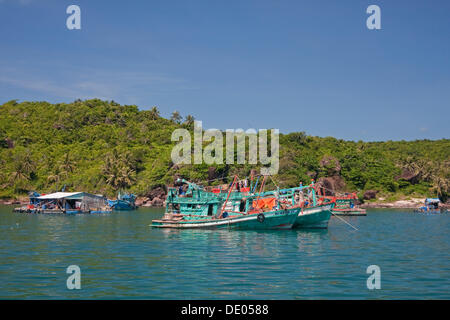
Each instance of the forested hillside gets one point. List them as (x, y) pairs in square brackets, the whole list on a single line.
[(101, 147)]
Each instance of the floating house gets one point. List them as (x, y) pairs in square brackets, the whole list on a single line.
[(67, 202)]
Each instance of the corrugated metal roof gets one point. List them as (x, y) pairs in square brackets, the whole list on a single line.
[(59, 195)]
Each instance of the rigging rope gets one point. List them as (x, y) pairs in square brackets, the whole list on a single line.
[(345, 221)]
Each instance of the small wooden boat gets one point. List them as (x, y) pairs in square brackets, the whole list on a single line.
[(350, 212), (432, 205), (124, 202), (345, 206)]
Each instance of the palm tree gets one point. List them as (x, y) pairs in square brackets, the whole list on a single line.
[(67, 165), (189, 120), (119, 170), (127, 177), (176, 117), (154, 113), (20, 172), (24, 168), (28, 163), (54, 178), (442, 187)]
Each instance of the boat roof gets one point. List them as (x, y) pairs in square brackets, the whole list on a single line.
[(61, 195), (432, 200)]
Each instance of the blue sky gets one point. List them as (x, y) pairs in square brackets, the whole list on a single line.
[(294, 65)]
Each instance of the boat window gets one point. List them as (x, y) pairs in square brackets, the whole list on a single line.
[(210, 210), (242, 206)]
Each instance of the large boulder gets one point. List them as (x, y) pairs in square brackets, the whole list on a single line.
[(157, 202), (158, 192), (141, 202), (212, 173), (409, 175), (331, 185), (331, 165), (370, 194)]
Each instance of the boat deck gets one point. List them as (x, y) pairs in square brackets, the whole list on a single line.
[(349, 212)]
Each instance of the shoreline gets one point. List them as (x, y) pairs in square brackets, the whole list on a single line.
[(399, 204)]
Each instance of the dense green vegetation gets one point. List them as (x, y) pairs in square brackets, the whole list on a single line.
[(101, 147)]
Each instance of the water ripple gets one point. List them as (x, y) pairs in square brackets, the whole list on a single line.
[(122, 257)]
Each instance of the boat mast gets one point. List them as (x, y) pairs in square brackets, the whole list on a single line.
[(228, 196)]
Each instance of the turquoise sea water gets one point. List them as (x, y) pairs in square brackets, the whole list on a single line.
[(120, 256)]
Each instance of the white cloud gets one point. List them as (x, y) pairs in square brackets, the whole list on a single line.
[(73, 82), (21, 2)]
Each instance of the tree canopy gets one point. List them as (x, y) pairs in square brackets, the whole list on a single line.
[(100, 146)]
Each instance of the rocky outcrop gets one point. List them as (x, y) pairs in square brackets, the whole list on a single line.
[(158, 192), (21, 201), (331, 185), (10, 143), (157, 202), (333, 182), (370, 194), (212, 173), (410, 176), (331, 165), (406, 204), (154, 198)]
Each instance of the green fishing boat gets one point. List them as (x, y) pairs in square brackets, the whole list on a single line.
[(345, 206), (314, 217), (277, 219), (315, 211), (197, 208)]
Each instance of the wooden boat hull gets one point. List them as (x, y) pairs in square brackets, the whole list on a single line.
[(121, 205), (431, 211), (315, 217), (349, 212), (280, 219)]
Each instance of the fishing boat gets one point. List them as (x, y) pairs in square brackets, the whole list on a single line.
[(345, 206), (65, 202), (123, 202), (198, 208), (315, 211), (432, 205)]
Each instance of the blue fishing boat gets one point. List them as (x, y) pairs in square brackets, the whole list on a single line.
[(431, 206), (124, 202)]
